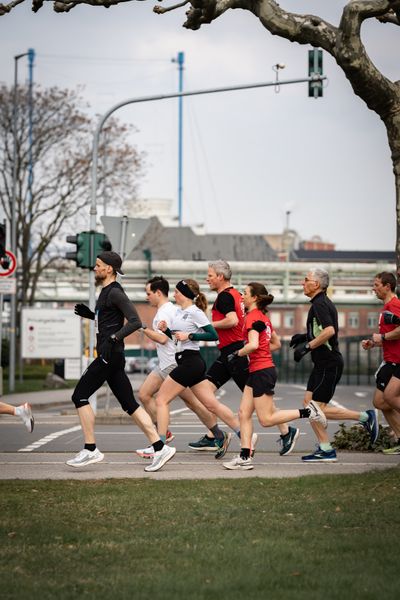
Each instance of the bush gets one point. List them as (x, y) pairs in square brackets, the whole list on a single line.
[(357, 438)]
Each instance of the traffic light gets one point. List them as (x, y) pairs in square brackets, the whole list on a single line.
[(315, 67), (88, 245)]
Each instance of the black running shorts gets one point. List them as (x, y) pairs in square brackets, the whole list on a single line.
[(323, 381), (262, 382), (221, 371), (191, 368), (384, 374)]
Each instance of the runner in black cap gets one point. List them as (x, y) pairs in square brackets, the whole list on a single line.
[(112, 308)]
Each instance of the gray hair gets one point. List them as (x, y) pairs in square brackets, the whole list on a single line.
[(221, 267), (321, 276)]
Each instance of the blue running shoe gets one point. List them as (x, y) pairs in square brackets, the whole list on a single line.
[(321, 456), (372, 425), (204, 443), (288, 441), (223, 445)]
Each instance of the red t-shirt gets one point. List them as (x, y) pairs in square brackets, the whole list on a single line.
[(391, 348), (229, 300), (260, 358)]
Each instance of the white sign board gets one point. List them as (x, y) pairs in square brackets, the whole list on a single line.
[(50, 333), (7, 285)]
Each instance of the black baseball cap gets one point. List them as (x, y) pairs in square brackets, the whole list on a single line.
[(113, 259)]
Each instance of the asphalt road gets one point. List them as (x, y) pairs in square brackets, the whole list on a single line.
[(57, 436)]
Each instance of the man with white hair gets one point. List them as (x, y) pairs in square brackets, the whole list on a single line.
[(321, 340), (228, 320)]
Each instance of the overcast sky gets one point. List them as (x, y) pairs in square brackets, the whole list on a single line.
[(249, 156)]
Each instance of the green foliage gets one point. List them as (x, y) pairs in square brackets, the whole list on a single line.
[(307, 538), (357, 438)]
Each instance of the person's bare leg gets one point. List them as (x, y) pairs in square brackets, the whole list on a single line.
[(319, 430), (6, 409), (168, 391), (146, 393), (391, 415), (87, 419), (143, 420), (203, 391), (205, 416), (245, 417), (391, 395)]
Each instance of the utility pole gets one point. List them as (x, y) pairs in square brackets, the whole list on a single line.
[(14, 245), (180, 60)]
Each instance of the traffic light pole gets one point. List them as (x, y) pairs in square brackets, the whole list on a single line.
[(103, 119)]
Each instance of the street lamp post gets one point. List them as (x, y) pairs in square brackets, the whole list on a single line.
[(13, 304), (96, 138)]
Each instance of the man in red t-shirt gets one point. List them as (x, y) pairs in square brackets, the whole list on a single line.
[(387, 393), (228, 319)]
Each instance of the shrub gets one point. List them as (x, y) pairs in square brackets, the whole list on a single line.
[(357, 438)]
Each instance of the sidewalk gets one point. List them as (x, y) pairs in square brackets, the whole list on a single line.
[(184, 465)]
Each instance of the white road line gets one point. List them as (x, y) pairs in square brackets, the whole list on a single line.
[(48, 438), (179, 410)]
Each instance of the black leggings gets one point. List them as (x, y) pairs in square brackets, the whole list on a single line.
[(97, 373)]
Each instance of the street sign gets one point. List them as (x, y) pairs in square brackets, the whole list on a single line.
[(12, 266), (8, 285), (124, 233), (50, 333)]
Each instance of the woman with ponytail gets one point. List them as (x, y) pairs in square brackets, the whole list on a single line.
[(261, 341), (188, 327)]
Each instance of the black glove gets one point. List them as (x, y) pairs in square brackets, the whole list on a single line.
[(234, 361), (259, 326), (298, 338), (301, 351), (390, 319), (83, 311), (107, 348)]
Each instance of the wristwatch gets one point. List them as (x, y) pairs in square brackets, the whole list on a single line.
[(383, 337), (190, 336), (114, 338)]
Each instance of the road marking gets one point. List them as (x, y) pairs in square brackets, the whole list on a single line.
[(48, 438), (179, 410)]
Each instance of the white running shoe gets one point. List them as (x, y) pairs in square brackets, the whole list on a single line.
[(146, 452), (160, 458), (239, 463), (24, 412), (316, 414), (86, 457), (254, 440)]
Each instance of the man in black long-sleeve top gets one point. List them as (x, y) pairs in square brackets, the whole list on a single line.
[(113, 307)]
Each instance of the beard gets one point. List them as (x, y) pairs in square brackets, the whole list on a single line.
[(98, 279)]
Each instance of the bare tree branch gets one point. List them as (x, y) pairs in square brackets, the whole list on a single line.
[(61, 155)]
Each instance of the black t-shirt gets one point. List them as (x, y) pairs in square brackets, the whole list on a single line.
[(112, 307), (323, 314)]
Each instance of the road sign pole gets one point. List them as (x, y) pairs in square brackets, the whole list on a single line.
[(1, 343)]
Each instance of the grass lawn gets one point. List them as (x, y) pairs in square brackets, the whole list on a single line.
[(315, 537)]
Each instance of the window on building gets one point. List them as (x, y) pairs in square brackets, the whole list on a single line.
[(341, 319), (275, 319), (288, 320), (372, 320), (353, 320)]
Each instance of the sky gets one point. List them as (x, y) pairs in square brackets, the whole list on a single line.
[(249, 157)]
